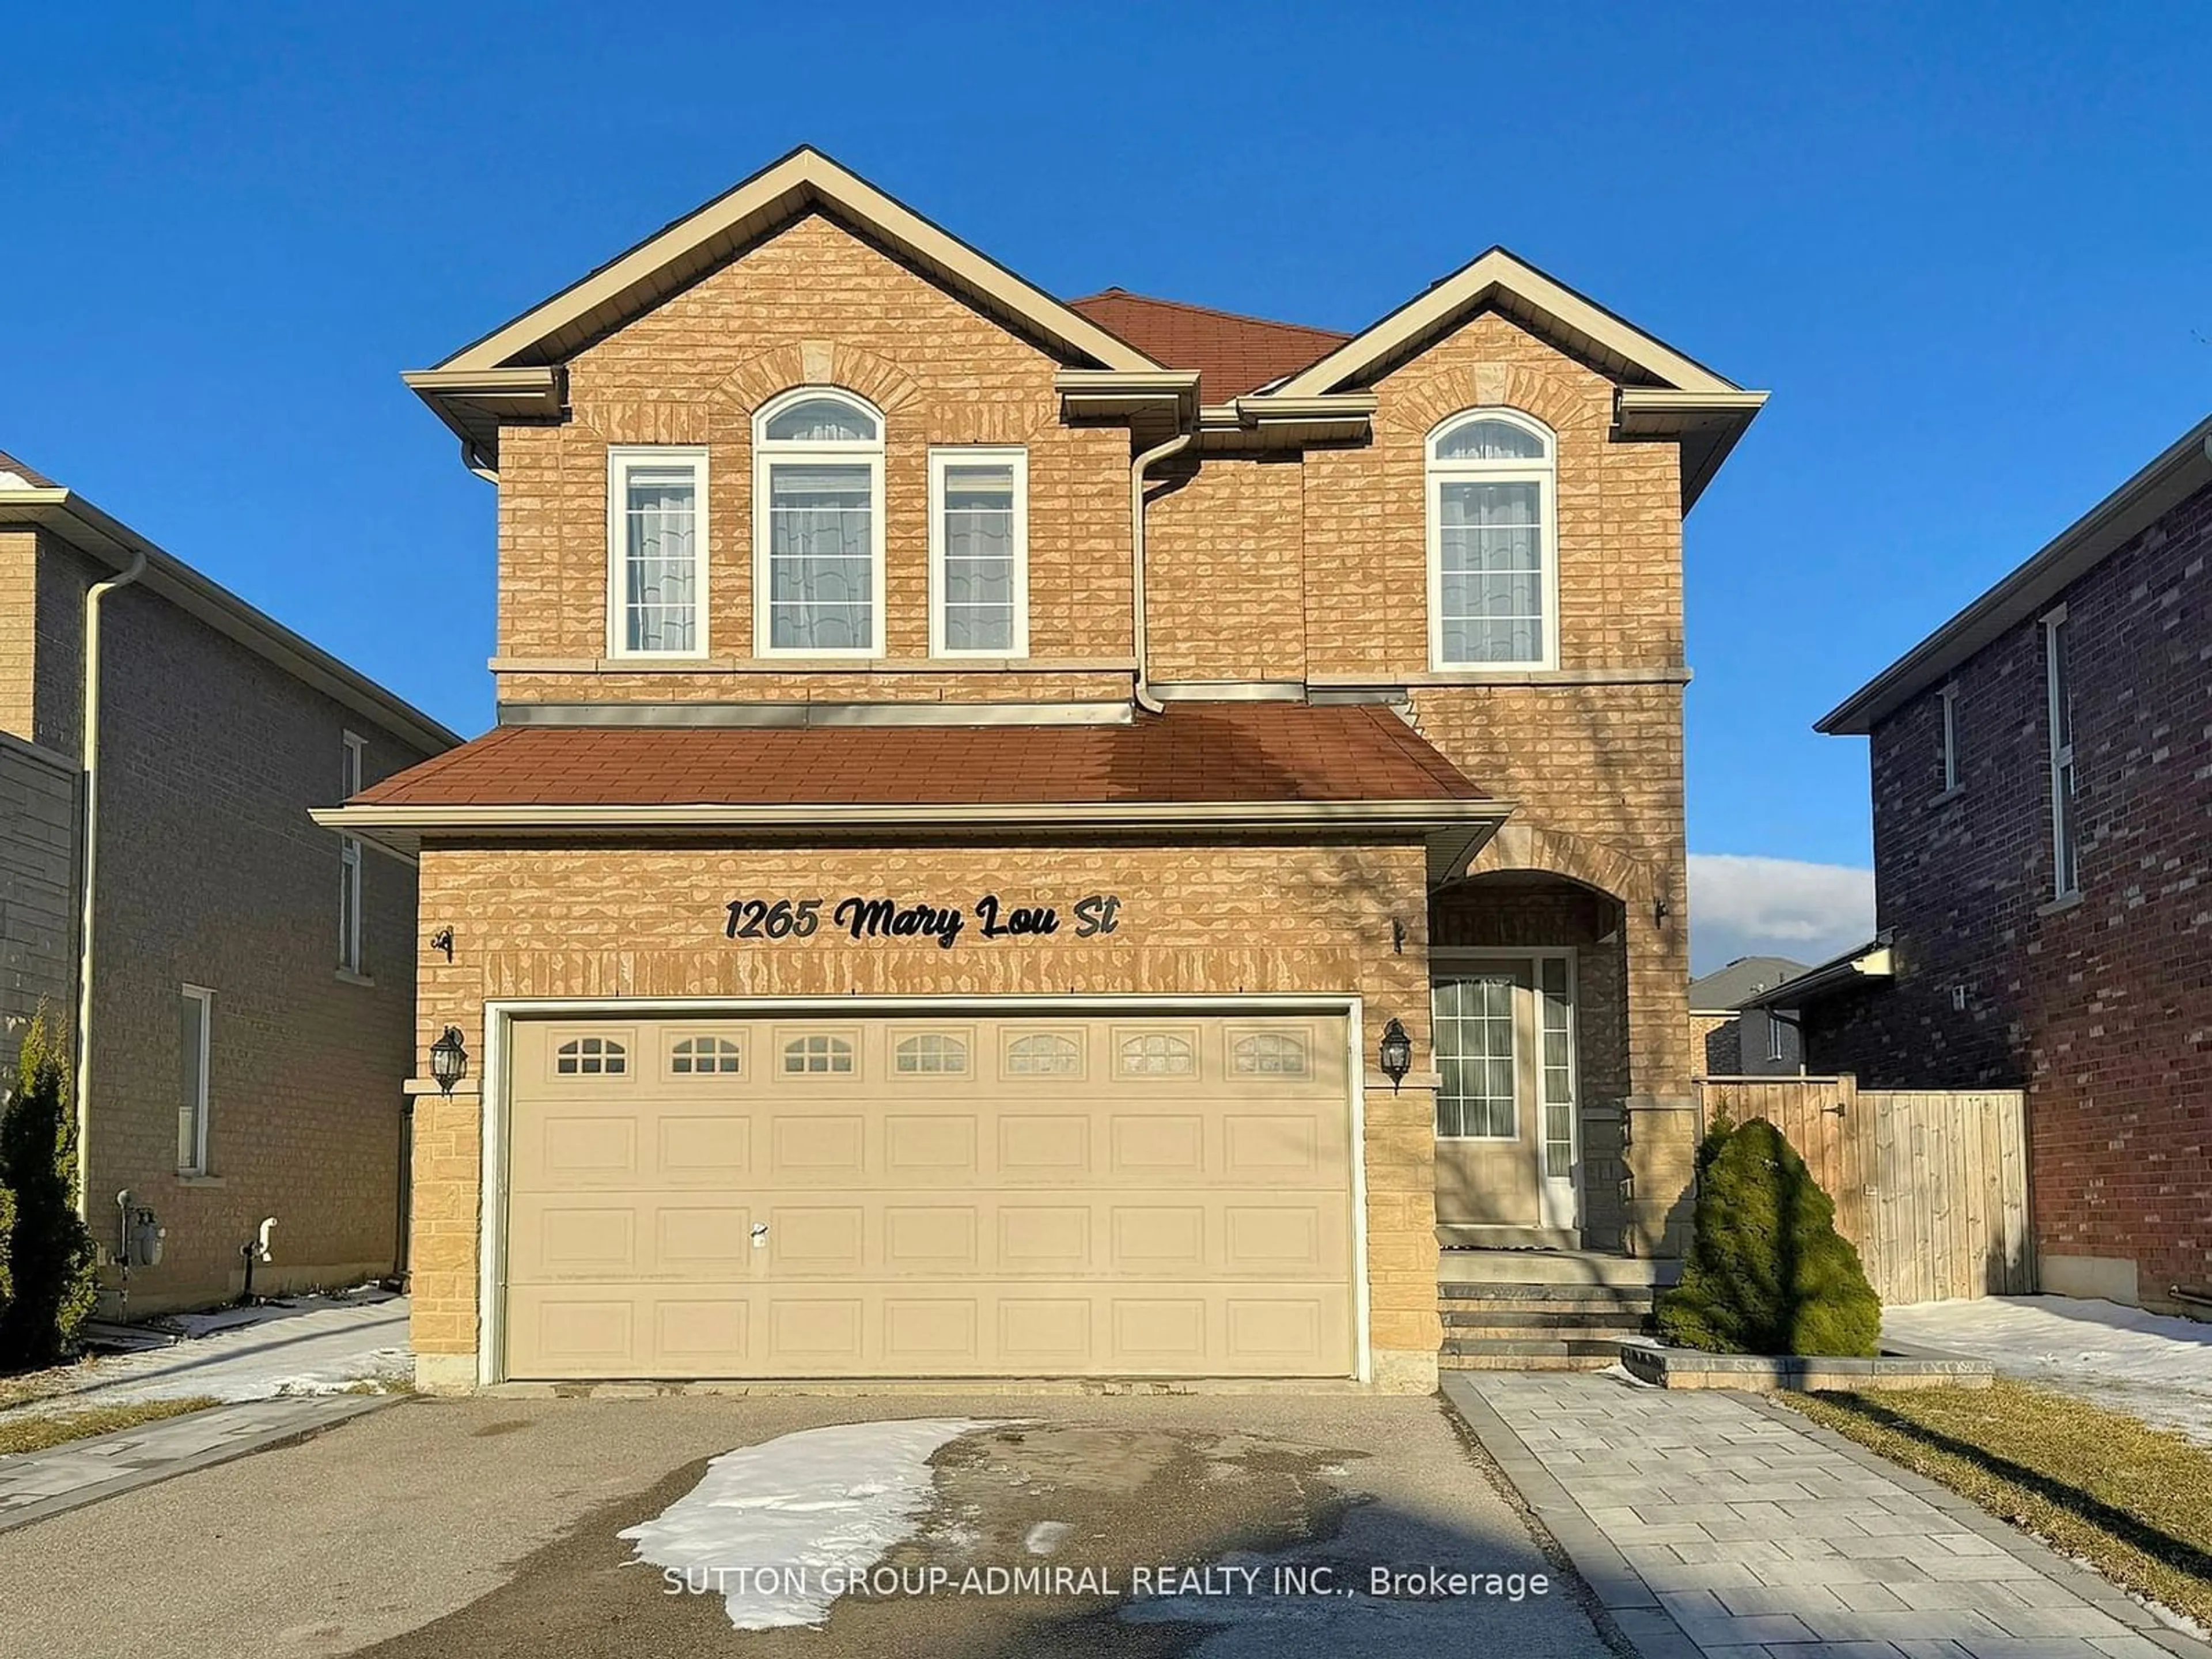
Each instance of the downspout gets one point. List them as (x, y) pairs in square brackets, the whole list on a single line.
[(91, 708), (1174, 446)]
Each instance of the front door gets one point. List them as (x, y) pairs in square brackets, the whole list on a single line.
[(1507, 1153)]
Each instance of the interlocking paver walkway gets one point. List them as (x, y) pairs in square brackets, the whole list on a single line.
[(35, 1484), (1711, 1523)]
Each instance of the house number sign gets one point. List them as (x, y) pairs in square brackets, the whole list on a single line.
[(1092, 916)]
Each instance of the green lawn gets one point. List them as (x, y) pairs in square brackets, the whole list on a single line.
[(35, 1432), (2133, 1501)]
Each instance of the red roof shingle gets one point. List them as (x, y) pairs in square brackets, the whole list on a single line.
[(1195, 752), (1233, 355)]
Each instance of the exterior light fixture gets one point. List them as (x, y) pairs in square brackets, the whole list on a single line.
[(1397, 1055), (449, 1060)]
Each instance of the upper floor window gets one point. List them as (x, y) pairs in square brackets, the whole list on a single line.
[(1948, 707), (1493, 577), (979, 552), (818, 526), (351, 750), (2065, 842), (656, 551)]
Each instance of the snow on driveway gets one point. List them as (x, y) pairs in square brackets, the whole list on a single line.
[(305, 1344), (780, 1529), (2151, 1366)]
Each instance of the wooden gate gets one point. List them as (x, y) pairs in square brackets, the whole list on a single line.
[(1931, 1184)]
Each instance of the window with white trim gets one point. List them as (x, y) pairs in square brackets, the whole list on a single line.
[(1493, 575), (2065, 831), (979, 552), (351, 925), (1948, 705), (818, 526), (195, 1045), (656, 550)]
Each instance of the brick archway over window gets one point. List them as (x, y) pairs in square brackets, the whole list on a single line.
[(1559, 853)]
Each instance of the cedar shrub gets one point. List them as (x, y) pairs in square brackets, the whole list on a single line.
[(1767, 1271), (50, 1250)]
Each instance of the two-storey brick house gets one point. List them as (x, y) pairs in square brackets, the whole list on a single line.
[(236, 986), (2041, 775), (980, 781)]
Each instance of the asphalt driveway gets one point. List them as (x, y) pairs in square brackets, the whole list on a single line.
[(485, 1527)]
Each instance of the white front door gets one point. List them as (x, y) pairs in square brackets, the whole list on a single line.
[(1507, 1152)]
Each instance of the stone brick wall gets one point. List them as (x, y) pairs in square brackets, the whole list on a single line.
[(1717, 1045), (2101, 1008), (38, 892), (211, 874), (1221, 919)]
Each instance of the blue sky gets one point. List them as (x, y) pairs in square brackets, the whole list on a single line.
[(1963, 245)]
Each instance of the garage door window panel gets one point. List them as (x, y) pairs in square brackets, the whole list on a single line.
[(592, 1056), (931, 1053), (1043, 1054), (705, 1056), (1156, 1054), (820, 1054)]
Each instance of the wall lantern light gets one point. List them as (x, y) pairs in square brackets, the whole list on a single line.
[(449, 1060), (1397, 1055)]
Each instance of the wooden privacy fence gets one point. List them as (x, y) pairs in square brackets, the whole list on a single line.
[(1931, 1184)]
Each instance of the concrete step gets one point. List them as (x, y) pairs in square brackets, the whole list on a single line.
[(1583, 1268), (1522, 1362), (1604, 1349), (1617, 1321), (1556, 1296)]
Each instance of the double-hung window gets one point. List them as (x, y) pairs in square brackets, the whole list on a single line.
[(1493, 575), (194, 1034), (1948, 707), (2065, 832), (818, 526), (350, 926), (978, 553), (656, 551)]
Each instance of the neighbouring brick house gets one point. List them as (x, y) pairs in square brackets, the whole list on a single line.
[(982, 784), (1729, 1039), (2042, 772), (252, 975)]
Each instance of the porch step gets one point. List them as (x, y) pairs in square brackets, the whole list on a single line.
[(1586, 1269), (1476, 1353), (1605, 1322), (1553, 1299)]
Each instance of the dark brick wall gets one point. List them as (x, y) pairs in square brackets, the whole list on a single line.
[(2101, 1009)]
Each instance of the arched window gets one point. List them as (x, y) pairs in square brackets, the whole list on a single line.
[(705, 1056), (1493, 576), (818, 1055), (1044, 1054), (818, 526), (931, 1053), (591, 1057), (1156, 1053), (1270, 1054)]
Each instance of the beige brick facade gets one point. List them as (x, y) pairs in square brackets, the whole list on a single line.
[(1307, 567)]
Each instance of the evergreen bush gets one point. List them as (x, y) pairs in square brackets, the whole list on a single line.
[(49, 1253), (1767, 1271)]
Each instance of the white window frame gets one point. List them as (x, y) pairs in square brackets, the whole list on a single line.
[(1545, 475), (621, 459), (979, 455), (198, 1166), (1949, 713), (768, 452), (353, 926), (2064, 776)]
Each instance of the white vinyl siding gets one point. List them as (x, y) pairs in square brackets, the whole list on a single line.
[(818, 526), (656, 551), (979, 553)]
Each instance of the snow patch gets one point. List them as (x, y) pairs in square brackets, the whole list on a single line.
[(2152, 1365), (829, 1501), (1047, 1536)]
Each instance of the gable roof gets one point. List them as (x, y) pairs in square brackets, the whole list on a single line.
[(1725, 990), (2179, 471), (38, 503), (1664, 394), (1233, 353)]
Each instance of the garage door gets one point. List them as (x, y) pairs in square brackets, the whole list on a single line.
[(929, 1197)]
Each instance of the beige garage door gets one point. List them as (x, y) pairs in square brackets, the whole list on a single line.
[(931, 1197)]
